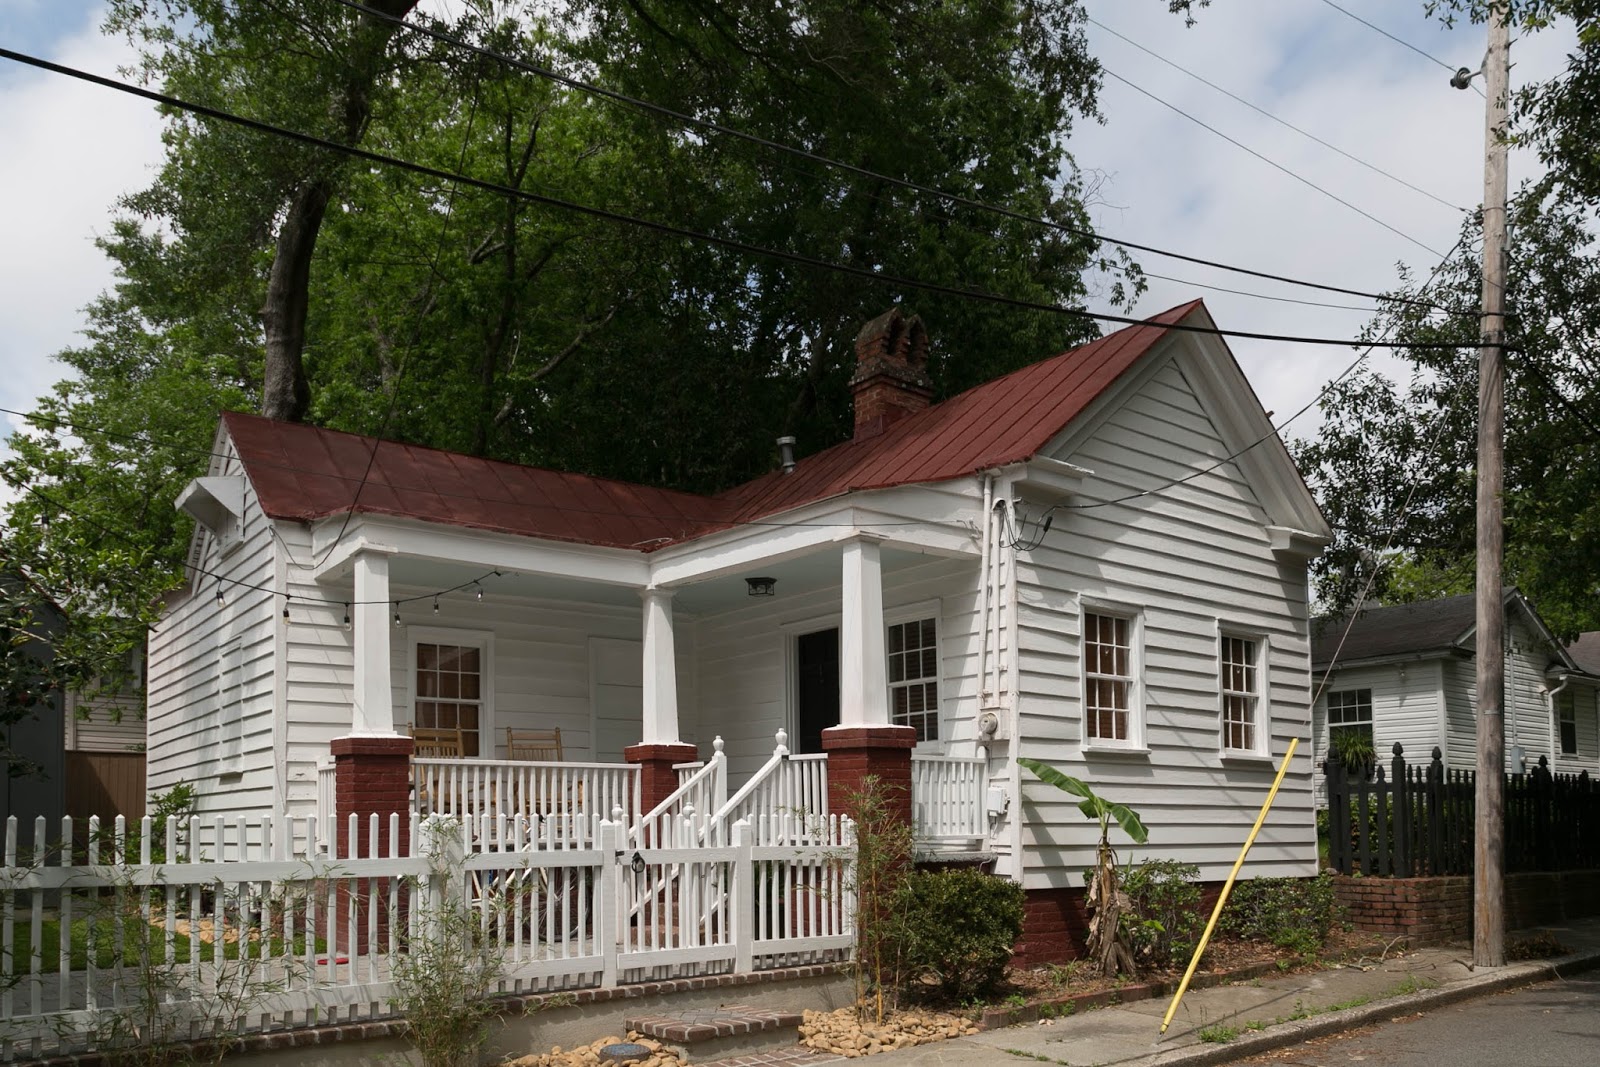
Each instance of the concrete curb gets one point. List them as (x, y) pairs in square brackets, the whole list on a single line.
[(1292, 1033)]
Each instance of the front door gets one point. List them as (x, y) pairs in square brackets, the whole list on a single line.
[(816, 688)]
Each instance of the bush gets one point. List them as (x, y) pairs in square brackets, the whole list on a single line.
[(960, 927), (1292, 913), (1166, 920)]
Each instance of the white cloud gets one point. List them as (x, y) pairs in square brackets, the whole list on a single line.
[(70, 150)]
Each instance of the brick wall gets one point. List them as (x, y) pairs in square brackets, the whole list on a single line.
[(1440, 909), (1055, 924)]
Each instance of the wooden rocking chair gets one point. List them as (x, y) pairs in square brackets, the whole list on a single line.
[(536, 746)]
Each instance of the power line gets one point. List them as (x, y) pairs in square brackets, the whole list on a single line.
[(1268, 160), (1402, 43), (734, 244), (663, 111), (1280, 121)]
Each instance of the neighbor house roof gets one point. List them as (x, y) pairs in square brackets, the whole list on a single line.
[(1426, 627), (305, 472), (1585, 652)]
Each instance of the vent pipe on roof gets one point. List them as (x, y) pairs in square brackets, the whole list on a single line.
[(786, 454)]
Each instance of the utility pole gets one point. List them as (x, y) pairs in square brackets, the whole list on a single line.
[(1488, 939)]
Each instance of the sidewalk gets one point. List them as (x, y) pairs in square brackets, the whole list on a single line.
[(1264, 1014)]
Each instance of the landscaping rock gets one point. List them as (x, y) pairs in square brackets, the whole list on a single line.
[(657, 1055), (843, 1034)]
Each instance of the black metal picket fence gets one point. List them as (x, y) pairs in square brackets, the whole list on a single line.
[(1409, 821)]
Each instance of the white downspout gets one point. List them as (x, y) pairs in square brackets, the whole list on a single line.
[(1550, 695), (983, 593), (1014, 646)]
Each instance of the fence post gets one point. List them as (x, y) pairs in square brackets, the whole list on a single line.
[(744, 898), (1402, 814), (608, 900), (1338, 818)]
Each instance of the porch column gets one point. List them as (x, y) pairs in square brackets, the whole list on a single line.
[(659, 747), (865, 744), (372, 764)]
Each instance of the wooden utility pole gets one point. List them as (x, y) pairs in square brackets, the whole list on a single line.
[(1488, 940)]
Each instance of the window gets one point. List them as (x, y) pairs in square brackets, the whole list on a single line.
[(1567, 721), (1241, 693), (914, 677), (1108, 679), (450, 689), (1350, 715)]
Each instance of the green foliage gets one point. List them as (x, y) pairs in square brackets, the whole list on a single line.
[(882, 868), (1292, 913), (1353, 749), (1093, 806), (1218, 1033), (1166, 921), (961, 926)]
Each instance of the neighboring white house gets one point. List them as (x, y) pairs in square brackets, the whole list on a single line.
[(1408, 674), (1098, 561)]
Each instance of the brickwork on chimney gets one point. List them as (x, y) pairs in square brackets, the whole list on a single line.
[(371, 776), (891, 379), (856, 753), (658, 780)]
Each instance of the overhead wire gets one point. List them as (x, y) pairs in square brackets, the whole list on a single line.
[(721, 129), (669, 229), (1397, 40), (1275, 118)]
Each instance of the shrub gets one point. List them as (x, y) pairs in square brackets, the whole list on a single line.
[(1166, 919), (960, 927), (1292, 913)]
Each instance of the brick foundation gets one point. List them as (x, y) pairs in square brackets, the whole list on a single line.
[(1055, 924), (372, 776), (1440, 909), (657, 779), (856, 753)]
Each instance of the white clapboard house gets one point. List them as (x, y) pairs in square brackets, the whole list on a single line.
[(1099, 561), (1407, 674)]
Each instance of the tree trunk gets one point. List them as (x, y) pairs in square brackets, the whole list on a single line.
[(285, 391)]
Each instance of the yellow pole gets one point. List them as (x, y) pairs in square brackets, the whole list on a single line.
[(1222, 897)]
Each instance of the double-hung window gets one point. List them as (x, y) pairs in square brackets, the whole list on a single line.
[(1349, 713), (1567, 722), (1241, 675), (1110, 681), (914, 676), (451, 672)]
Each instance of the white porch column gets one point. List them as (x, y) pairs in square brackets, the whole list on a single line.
[(660, 726), (863, 684), (373, 714)]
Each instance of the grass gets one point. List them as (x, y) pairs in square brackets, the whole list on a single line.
[(1218, 1033), (106, 954)]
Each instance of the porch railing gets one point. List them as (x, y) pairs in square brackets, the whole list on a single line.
[(327, 798), (469, 788), (682, 816), (947, 805), (786, 786)]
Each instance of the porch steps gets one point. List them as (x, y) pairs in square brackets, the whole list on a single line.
[(731, 1032)]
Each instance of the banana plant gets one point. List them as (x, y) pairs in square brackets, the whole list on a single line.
[(1108, 942)]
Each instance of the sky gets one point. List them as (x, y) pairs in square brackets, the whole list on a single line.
[(67, 151)]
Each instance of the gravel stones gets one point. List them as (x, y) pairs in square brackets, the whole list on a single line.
[(841, 1033), (655, 1054)]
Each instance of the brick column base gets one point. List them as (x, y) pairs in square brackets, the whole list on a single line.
[(657, 779), (372, 776), (856, 753)]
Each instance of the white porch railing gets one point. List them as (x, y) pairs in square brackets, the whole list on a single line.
[(947, 803), (681, 818), (327, 800), (471, 788), (786, 785), (273, 931)]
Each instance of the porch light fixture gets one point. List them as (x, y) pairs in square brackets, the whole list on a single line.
[(762, 586), (637, 864)]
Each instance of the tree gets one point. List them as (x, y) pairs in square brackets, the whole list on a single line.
[(1393, 465)]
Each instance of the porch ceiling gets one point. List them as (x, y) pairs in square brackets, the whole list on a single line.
[(803, 574)]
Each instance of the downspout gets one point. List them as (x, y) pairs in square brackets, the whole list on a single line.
[(983, 593), (1014, 647), (1550, 695)]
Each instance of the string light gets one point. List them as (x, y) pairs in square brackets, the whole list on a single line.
[(436, 603), (397, 613), (347, 615), (222, 601), (286, 607), (480, 592)]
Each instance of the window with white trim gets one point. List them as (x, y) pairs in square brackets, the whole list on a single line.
[(1110, 687), (1567, 722), (1349, 711), (913, 648), (1239, 670), (450, 687)]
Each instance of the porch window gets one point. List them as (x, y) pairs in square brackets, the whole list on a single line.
[(450, 689), (1240, 670), (914, 677), (1350, 716), (1109, 698), (1567, 721)]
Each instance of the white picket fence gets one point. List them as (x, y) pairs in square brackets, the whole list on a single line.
[(227, 926)]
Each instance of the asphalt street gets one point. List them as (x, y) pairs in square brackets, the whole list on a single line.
[(1553, 1024)]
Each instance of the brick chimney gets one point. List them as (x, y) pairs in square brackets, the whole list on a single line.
[(891, 379)]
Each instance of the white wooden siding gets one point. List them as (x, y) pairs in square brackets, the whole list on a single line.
[(104, 724), (1587, 758), (1190, 558), (1406, 703), (184, 731)]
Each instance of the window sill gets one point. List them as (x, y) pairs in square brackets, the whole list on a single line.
[(1242, 758), (1114, 751)]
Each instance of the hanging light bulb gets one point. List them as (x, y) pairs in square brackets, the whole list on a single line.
[(436, 603), (222, 601), (397, 613), (480, 592), (286, 607), (347, 616)]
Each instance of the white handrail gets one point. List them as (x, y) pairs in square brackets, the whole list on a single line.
[(701, 792), (947, 797), (785, 785)]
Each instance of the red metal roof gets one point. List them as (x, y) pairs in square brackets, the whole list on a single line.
[(305, 472)]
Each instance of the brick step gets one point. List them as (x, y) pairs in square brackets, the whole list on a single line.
[(730, 1031)]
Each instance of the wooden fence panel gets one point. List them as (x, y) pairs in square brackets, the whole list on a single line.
[(106, 784)]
